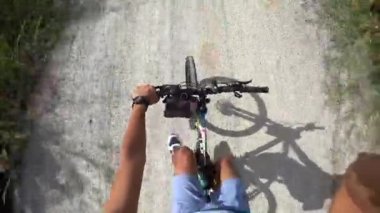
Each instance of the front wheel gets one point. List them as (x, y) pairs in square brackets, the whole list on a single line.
[(191, 73)]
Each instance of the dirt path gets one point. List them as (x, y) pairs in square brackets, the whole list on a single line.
[(282, 140)]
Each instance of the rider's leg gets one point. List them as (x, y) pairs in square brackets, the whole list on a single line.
[(232, 190), (184, 161), (360, 189), (183, 158), (187, 192), (227, 170)]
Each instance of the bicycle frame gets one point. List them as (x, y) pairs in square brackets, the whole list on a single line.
[(202, 132)]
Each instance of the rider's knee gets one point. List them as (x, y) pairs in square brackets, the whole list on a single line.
[(185, 153), (184, 161), (227, 170), (226, 161)]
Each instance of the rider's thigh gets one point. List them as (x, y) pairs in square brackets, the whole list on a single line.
[(227, 170), (233, 195), (188, 195)]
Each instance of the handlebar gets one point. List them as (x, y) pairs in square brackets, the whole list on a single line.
[(245, 89), (185, 92)]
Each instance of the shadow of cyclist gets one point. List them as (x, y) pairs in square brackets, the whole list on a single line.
[(304, 179)]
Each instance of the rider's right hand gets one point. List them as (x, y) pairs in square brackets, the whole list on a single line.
[(147, 91)]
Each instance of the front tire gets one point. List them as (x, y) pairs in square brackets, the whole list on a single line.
[(191, 73)]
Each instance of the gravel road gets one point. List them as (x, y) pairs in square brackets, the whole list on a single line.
[(282, 140)]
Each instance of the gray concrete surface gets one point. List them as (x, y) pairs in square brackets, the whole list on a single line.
[(283, 140)]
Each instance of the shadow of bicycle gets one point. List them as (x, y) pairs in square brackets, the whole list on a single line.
[(304, 179)]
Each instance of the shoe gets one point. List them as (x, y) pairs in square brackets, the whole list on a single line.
[(173, 142)]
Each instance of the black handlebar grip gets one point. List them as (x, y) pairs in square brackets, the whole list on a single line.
[(255, 89)]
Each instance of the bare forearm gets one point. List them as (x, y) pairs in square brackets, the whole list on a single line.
[(126, 187), (134, 142)]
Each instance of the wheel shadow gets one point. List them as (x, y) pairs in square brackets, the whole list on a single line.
[(257, 123), (303, 178)]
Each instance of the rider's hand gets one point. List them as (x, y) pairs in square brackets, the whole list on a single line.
[(147, 91)]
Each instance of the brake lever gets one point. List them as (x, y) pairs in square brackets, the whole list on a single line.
[(240, 83), (236, 83), (245, 82)]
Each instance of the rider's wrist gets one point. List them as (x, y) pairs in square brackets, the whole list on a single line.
[(140, 101), (139, 108)]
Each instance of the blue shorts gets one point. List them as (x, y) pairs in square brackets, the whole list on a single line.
[(188, 196)]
